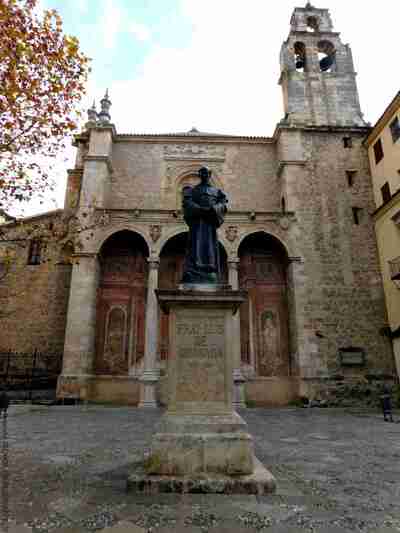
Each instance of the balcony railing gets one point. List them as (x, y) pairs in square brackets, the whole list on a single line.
[(394, 265)]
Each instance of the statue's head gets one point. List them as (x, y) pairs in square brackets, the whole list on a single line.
[(204, 174)]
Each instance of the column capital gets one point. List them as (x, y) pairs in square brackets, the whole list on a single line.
[(153, 262), (233, 263), (150, 375)]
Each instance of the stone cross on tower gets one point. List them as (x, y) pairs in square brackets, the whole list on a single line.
[(317, 73)]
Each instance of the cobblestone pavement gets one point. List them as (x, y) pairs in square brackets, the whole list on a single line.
[(337, 472)]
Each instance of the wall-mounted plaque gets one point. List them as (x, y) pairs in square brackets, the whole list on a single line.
[(352, 356)]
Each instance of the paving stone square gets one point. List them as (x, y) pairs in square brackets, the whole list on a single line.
[(337, 471)]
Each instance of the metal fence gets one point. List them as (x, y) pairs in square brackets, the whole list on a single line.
[(29, 376)]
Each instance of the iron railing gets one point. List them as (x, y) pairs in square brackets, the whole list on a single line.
[(26, 375)]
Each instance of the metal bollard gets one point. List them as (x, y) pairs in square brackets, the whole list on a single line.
[(386, 402)]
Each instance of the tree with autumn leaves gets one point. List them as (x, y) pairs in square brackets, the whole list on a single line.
[(42, 81)]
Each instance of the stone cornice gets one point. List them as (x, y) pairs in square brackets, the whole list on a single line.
[(312, 35), (283, 126), (75, 171), (198, 139), (194, 159), (170, 216), (85, 135), (85, 254)]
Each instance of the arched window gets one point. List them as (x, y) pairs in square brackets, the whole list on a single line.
[(300, 56), (326, 56)]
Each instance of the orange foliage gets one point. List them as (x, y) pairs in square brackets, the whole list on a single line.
[(42, 81)]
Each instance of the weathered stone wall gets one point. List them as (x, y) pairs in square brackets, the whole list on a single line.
[(147, 175), (343, 303), (33, 298)]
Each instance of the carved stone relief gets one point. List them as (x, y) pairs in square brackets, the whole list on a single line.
[(179, 168), (284, 223), (155, 232), (194, 151), (114, 347), (231, 233), (270, 357)]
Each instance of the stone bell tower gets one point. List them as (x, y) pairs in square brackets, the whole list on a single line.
[(317, 73)]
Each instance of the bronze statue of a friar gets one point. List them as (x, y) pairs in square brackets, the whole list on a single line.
[(204, 208)]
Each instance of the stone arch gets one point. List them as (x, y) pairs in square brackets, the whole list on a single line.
[(267, 233), (188, 176), (177, 231), (122, 286), (300, 56), (263, 272), (123, 227), (192, 170), (326, 56)]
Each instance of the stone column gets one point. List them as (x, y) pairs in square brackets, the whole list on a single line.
[(151, 373), (238, 378), (302, 365), (79, 348)]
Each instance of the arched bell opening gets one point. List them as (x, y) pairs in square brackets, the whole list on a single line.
[(300, 58), (121, 300), (326, 56), (312, 24), (264, 318), (172, 258)]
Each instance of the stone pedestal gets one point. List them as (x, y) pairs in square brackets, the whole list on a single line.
[(201, 443)]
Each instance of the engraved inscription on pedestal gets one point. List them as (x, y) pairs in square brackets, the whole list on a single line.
[(200, 363)]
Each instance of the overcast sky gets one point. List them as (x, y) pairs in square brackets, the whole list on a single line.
[(214, 64)]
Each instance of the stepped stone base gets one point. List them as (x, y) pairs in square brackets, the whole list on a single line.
[(260, 482), (201, 444), (194, 444)]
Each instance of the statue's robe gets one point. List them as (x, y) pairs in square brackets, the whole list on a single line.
[(202, 258)]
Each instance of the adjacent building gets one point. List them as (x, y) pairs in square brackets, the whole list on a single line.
[(298, 237), (383, 144)]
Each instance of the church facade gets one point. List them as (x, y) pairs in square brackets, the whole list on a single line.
[(298, 237)]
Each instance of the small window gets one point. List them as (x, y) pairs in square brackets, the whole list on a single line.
[(357, 215), (347, 142), (378, 151), (35, 250), (351, 176), (385, 191), (395, 129), (283, 204)]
